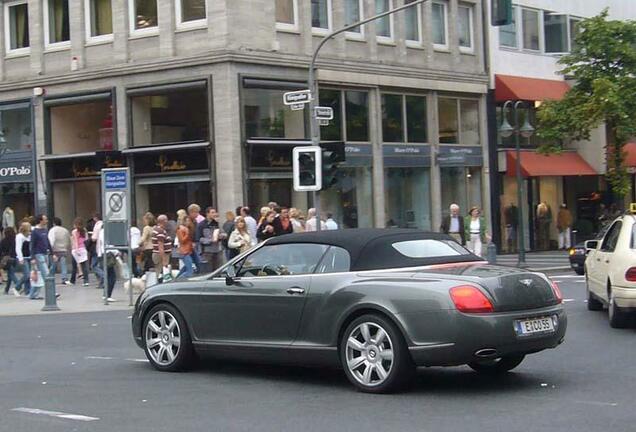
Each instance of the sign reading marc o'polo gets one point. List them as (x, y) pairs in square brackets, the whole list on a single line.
[(16, 171)]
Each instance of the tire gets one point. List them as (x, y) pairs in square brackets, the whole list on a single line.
[(374, 367), (166, 339), (593, 304), (617, 318), (497, 366)]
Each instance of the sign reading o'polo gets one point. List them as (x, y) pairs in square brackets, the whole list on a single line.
[(16, 171)]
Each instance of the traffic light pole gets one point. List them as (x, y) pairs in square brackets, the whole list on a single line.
[(313, 85)]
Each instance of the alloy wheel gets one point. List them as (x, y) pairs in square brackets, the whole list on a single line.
[(163, 337), (369, 354)]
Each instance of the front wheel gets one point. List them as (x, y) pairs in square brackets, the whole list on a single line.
[(374, 355), (166, 339), (497, 366)]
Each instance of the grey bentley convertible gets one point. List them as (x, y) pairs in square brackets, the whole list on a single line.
[(377, 302)]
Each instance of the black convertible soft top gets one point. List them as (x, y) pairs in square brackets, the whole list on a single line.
[(372, 248)]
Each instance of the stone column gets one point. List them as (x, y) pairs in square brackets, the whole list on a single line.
[(485, 172), (375, 130), (36, 37), (165, 15), (78, 32), (436, 185), (369, 30), (2, 45), (218, 16), (121, 29)]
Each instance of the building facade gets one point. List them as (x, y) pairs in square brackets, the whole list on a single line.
[(523, 58), (188, 94)]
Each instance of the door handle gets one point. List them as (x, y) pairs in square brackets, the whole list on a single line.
[(598, 259), (607, 261), (295, 290)]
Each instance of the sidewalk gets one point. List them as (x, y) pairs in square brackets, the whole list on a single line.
[(550, 261), (73, 299)]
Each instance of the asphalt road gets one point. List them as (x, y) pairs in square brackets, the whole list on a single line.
[(87, 365)]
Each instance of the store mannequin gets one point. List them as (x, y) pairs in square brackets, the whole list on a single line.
[(8, 218), (544, 219), (511, 221)]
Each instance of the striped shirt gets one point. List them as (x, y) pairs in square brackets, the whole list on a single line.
[(159, 235)]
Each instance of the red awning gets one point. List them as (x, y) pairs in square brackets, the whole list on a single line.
[(509, 87), (536, 165), (630, 154)]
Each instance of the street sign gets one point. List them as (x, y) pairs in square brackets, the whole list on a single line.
[(117, 206), (297, 107), (323, 113), (297, 97), (322, 122)]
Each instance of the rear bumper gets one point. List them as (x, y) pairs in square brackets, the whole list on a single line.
[(625, 297), (577, 261), (472, 333)]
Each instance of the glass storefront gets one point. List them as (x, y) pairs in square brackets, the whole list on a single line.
[(407, 197), (267, 117), (166, 196), (19, 197), (462, 186), (350, 200), (81, 127), (73, 199)]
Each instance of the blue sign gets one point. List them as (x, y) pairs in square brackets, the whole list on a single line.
[(115, 180)]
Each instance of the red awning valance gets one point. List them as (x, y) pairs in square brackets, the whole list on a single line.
[(630, 154), (534, 164), (509, 87)]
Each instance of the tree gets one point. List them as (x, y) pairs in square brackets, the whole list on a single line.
[(602, 65)]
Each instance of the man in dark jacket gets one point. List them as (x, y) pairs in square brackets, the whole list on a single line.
[(40, 247), (282, 223), (210, 238), (453, 225)]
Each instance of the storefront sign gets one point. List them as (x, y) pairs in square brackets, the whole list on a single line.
[(460, 156), (171, 162), (397, 156), (15, 171), (84, 167)]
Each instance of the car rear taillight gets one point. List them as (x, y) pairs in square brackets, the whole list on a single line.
[(469, 299), (557, 291), (630, 274)]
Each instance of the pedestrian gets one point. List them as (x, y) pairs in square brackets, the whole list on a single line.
[(282, 222), (312, 221), (209, 236), (273, 205), (194, 211), (79, 252), (185, 235), (475, 226), (8, 260), (135, 240), (240, 240), (251, 224), (60, 241), (330, 223), (145, 242), (228, 227), (161, 247), (294, 217), (453, 225), (23, 255), (544, 221), (263, 214), (267, 229), (97, 228), (111, 261), (564, 226), (40, 250)]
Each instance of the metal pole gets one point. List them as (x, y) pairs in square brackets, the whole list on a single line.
[(50, 301), (313, 84), (521, 257)]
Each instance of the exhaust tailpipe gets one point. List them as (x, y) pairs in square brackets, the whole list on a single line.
[(486, 353)]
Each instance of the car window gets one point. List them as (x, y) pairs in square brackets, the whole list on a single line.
[(336, 260), (429, 248), (611, 238), (281, 260)]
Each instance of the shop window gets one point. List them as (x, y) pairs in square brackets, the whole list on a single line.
[(448, 121), (99, 19), (384, 26), (350, 201), (167, 198), (465, 28), (575, 28), (287, 14), (392, 118), (357, 115), (508, 33), (170, 117), (56, 22), (413, 21), (555, 28), (267, 117), (416, 119), (440, 25), (530, 25), (17, 27), (333, 99), (190, 13), (462, 186), (18, 196), (15, 127), (143, 16), (321, 15), (407, 197), (76, 199), (469, 115), (80, 128), (353, 14)]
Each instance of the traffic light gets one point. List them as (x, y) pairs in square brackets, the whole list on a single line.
[(501, 13), (333, 153), (307, 162)]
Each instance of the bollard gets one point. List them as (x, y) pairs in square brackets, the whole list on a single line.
[(50, 301), (491, 253)]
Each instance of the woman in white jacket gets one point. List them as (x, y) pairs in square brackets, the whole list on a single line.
[(23, 256), (240, 238)]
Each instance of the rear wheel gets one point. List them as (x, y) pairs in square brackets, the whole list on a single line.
[(497, 366), (166, 339), (374, 355), (617, 318)]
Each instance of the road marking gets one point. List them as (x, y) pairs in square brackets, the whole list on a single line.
[(137, 360), (56, 414), (568, 300), (98, 358)]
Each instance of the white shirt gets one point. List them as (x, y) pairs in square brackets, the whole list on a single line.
[(454, 224), (331, 224), (19, 241), (474, 226), (97, 229), (135, 237), (311, 225), (250, 222)]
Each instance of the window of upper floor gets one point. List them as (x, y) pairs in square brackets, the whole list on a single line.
[(190, 14), (413, 25), (16, 27), (287, 15), (404, 118), (465, 28), (143, 17), (99, 20), (351, 115), (57, 25), (384, 26), (321, 13), (458, 121), (440, 25), (354, 12)]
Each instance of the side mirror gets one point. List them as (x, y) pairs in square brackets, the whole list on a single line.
[(590, 244), (230, 275)]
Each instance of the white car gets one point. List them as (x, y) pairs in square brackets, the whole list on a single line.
[(610, 270)]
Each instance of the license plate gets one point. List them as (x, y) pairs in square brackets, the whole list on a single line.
[(535, 326)]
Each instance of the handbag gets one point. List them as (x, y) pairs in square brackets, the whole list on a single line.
[(6, 262), (80, 255)]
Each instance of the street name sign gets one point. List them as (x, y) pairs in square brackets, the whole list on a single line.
[(323, 113), (297, 107), (297, 97)]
